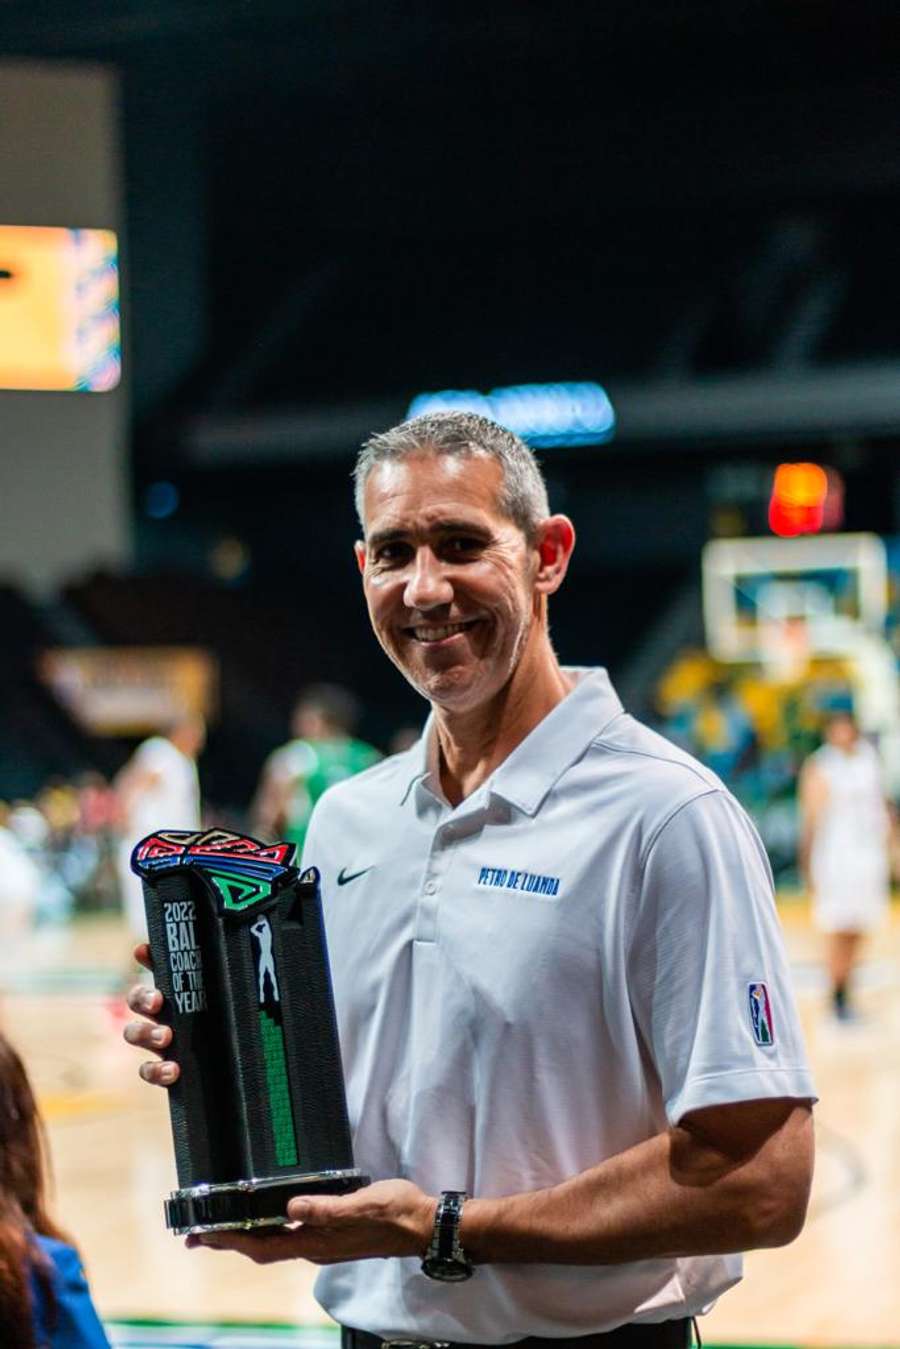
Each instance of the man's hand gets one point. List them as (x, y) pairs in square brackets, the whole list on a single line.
[(149, 1034), (389, 1218)]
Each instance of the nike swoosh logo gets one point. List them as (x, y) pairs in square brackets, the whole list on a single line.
[(344, 878)]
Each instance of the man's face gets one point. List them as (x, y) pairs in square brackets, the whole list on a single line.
[(447, 577), (842, 732), (308, 723)]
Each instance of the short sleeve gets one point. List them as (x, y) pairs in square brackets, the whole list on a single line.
[(294, 760), (77, 1324), (154, 755), (709, 978)]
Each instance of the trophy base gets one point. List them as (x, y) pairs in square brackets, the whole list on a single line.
[(245, 1204)]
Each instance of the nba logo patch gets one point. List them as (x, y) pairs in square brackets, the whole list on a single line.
[(761, 1014)]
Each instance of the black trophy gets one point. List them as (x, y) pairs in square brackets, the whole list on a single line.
[(259, 1112)]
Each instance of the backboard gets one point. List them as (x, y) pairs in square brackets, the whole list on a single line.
[(771, 600)]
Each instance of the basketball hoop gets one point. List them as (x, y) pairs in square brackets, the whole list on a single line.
[(784, 649)]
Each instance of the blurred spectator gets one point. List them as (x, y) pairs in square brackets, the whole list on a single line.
[(70, 856), (157, 789), (321, 753), (96, 836), (20, 888), (403, 739), (45, 1302), (754, 732), (844, 848), (29, 825)]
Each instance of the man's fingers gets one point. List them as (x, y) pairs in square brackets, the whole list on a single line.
[(146, 1001), (147, 1035), (317, 1211), (160, 1074), (262, 1247), (142, 955)]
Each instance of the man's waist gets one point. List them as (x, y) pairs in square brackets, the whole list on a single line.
[(661, 1335)]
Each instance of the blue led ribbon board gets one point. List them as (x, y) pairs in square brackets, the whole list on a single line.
[(544, 415)]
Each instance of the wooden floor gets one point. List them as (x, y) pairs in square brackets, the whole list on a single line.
[(838, 1285)]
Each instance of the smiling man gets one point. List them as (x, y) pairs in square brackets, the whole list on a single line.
[(572, 1058)]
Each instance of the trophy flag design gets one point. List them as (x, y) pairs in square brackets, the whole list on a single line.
[(258, 1113)]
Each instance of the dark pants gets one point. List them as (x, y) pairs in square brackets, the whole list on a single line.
[(666, 1335)]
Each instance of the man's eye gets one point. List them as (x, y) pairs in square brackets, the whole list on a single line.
[(390, 553), (462, 543)]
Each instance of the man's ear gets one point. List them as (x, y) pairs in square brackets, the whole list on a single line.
[(359, 549), (554, 544)]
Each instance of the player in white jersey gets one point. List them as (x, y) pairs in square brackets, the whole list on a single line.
[(157, 789), (573, 1064), (845, 841)]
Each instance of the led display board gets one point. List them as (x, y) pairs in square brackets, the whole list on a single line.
[(544, 415), (59, 309), (131, 690)]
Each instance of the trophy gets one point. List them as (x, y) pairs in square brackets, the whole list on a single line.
[(258, 1113)]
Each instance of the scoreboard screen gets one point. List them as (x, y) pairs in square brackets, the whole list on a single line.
[(59, 309)]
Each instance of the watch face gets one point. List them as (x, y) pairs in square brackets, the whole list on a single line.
[(446, 1269)]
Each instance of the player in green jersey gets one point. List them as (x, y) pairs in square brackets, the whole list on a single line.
[(321, 753)]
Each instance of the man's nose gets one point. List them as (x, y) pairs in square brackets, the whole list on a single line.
[(428, 585)]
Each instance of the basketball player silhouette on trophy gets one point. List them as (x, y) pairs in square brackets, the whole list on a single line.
[(263, 934)]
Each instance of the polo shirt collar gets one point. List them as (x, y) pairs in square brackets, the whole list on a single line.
[(527, 775), (417, 760)]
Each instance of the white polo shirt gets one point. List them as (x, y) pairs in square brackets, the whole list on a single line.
[(552, 971)]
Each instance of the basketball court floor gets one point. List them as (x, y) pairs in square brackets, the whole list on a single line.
[(838, 1285)]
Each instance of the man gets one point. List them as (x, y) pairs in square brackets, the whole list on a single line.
[(558, 972), (157, 789), (322, 752), (844, 848)]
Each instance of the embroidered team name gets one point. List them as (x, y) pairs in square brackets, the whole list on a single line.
[(529, 882)]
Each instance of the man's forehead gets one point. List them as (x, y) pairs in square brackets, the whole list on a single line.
[(421, 490)]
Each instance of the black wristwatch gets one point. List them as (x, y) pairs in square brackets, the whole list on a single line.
[(445, 1258)]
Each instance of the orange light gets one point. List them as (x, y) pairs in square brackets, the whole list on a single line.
[(801, 484), (797, 504)]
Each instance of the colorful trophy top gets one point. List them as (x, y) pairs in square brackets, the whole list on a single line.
[(241, 871)]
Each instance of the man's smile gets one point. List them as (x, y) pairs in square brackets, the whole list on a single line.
[(430, 633)]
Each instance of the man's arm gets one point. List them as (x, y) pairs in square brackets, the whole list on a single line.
[(282, 779), (269, 808), (727, 1178)]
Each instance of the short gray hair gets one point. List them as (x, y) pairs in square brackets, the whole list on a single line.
[(523, 495)]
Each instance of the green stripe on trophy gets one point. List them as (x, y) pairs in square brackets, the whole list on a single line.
[(279, 1091)]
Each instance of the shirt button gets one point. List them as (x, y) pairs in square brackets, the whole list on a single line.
[(430, 887)]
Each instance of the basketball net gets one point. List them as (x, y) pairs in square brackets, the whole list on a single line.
[(784, 648)]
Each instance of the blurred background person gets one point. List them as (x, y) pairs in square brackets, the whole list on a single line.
[(158, 788), (323, 751), (20, 889), (403, 739), (45, 1302), (844, 848)]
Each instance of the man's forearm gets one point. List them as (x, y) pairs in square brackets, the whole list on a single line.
[(671, 1195)]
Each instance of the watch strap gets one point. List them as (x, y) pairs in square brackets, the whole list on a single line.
[(445, 1258), (445, 1244)]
